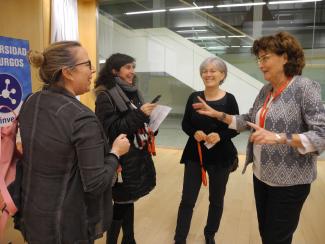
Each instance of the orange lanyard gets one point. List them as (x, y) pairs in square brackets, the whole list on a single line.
[(267, 103), (203, 173), (151, 142)]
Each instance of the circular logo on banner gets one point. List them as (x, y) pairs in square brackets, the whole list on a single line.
[(10, 96)]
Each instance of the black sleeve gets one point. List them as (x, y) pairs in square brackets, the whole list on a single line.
[(96, 170), (232, 109), (187, 126), (114, 122)]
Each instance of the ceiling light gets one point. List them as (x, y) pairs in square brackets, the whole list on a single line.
[(217, 47), (234, 46), (195, 4), (191, 31), (146, 12), (190, 8), (237, 36), (296, 1), (210, 37), (247, 46), (239, 5)]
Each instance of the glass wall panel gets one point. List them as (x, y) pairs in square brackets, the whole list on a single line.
[(158, 32)]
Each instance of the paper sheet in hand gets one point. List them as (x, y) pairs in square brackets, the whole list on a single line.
[(158, 115), (209, 145)]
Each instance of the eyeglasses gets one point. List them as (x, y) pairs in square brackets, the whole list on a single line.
[(263, 59), (205, 71), (88, 63), (57, 73)]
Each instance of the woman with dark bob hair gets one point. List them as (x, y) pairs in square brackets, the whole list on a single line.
[(287, 124), (121, 109)]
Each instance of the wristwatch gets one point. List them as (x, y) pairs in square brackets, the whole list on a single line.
[(222, 117), (289, 138), (278, 138)]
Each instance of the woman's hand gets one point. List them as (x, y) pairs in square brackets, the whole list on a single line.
[(147, 108), (121, 145), (199, 135), (263, 136), (212, 138), (203, 108)]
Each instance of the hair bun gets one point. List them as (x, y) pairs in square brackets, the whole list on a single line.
[(36, 58)]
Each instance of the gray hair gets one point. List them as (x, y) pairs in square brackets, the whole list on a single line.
[(218, 63)]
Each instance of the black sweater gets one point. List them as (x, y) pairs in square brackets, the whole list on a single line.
[(222, 153)]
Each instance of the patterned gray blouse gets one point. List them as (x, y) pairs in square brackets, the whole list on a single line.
[(298, 110)]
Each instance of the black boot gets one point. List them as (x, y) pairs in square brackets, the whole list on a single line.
[(209, 240), (113, 233)]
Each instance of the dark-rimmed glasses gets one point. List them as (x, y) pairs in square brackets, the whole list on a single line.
[(88, 63), (57, 73), (263, 59)]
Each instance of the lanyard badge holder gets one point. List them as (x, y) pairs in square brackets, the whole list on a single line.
[(203, 172)]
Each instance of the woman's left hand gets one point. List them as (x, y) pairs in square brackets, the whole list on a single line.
[(213, 138), (261, 135), (147, 108)]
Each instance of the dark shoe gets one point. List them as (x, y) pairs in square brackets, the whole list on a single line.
[(128, 241), (113, 233), (180, 242), (209, 240)]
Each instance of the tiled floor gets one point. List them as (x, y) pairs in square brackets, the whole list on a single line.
[(171, 135)]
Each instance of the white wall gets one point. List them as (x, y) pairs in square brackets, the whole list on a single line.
[(161, 50)]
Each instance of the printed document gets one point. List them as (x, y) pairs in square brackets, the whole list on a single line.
[(158, 115)]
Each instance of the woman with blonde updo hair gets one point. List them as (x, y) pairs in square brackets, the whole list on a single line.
[(68, 165)]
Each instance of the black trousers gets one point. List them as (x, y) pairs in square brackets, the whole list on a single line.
[(125, 213), (218, 178), (278, 210)]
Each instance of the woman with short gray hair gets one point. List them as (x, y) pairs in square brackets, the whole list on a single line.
[(218, 63), (211, 139)]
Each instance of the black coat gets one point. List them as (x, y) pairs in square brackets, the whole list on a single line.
[(66, 190), (138, 171)]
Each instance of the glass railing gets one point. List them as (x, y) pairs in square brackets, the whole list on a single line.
[(228, 31)]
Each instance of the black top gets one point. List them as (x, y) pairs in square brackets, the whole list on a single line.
[(222, 153)]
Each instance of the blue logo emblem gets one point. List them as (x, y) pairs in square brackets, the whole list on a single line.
[(10, 92)]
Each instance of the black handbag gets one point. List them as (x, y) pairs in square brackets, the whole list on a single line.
[(138, 176), (234, 164)]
